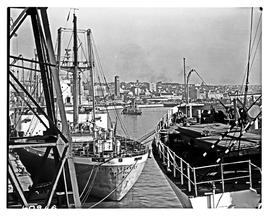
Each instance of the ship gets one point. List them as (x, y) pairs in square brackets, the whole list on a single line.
[(107, 165), (215, 154), (132, 109)]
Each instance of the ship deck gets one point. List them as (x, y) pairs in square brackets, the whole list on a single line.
[(207, 134)]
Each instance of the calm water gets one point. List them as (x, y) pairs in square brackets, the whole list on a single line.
[(138, 125), (151, 189)]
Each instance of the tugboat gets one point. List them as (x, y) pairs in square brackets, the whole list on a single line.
[(132, 109), (107, 165)]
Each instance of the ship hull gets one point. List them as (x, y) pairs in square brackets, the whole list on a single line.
[(111, 180)]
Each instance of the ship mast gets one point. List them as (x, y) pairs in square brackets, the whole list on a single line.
[(249, 48), (185, 84), (90, 55), (75, 74)]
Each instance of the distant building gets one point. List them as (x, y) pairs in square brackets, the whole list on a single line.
[(66, 91), (152, 87), (101, 91), (136, 91), (214, 95), (202, 95), (116, 86), (167, 95), (194, 92)]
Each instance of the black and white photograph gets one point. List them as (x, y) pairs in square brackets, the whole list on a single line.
[(141, 107)]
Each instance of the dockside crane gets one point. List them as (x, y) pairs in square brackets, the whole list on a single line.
[(55, 141)]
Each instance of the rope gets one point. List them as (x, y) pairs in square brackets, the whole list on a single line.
[(258, 24), (114, 188), (146, 136), (83, 52), (88, 180), (219, 199), (90, 187)]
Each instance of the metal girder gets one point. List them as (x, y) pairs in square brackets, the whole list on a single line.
[(49, 77), (39, 145), (17, 23), (29, 60), (57, 86), (29, 105), (22, 67), (48, 92), (75, 75), (37, 105), (60, 168), (16, 184)]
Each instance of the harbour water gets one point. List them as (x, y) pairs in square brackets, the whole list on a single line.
[(152, 189), (138, 125)]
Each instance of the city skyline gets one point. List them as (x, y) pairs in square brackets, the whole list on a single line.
[(149, 44)]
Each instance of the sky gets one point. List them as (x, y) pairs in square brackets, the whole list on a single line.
[(149, 44)]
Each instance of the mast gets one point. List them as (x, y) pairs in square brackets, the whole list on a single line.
[(185, 85), (90, 55), (249, 48), (75, 74)]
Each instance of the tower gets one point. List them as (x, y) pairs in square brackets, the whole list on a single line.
[(116, 86)]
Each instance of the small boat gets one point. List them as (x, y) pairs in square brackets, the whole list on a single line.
[(132, 109)]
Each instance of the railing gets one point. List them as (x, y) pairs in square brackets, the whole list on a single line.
[(195, 177)]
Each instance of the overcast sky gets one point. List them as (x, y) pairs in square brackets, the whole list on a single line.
[(149, 44)]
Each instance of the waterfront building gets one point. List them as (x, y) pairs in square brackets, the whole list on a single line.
[(116, 86), (152, 87)]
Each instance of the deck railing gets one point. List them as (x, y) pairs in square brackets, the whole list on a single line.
[(194, 177)]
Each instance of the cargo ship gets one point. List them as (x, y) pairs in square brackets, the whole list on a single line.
[(216, 154), (106, 165)]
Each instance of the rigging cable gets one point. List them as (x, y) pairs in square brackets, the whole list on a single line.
[(258, 25), (102, 72), (117, 115), (88, 180)]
